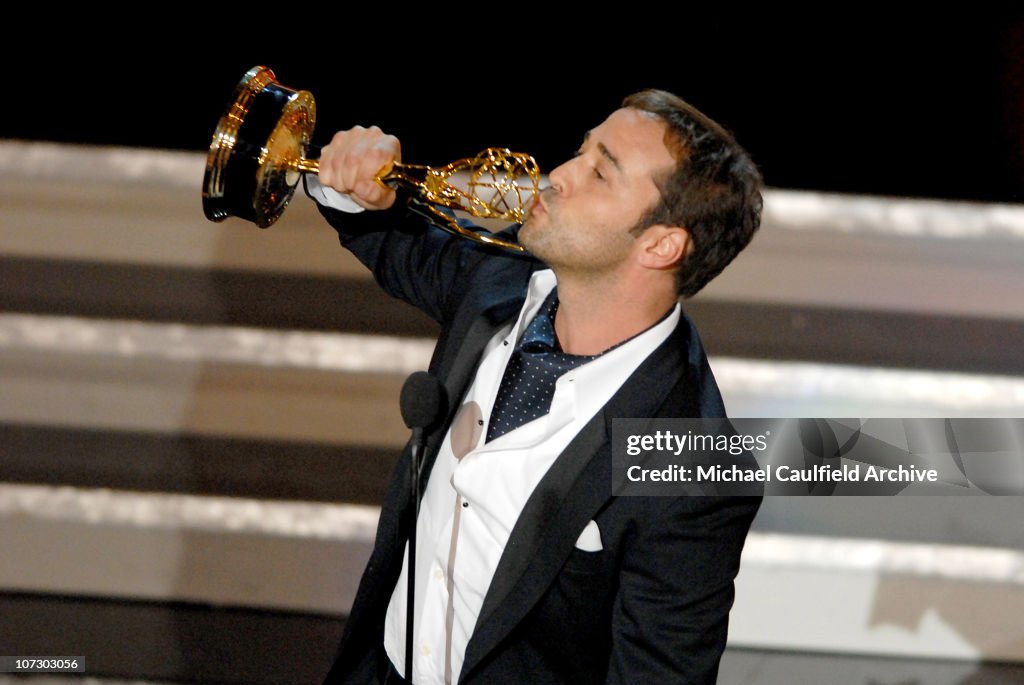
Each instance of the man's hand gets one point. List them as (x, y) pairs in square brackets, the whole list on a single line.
[(352, 161)]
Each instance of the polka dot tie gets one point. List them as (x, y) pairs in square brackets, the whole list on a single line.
[(528, 385)]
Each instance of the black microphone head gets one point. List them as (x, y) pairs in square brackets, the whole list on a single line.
[(423, 400)]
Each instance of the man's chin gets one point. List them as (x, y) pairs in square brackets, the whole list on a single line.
[(536, 248), (526, 231)]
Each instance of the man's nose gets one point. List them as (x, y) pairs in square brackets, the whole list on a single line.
[(559, 178)]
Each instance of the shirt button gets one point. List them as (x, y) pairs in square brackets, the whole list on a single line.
[(425, 650), (465, 504), (438, 573)]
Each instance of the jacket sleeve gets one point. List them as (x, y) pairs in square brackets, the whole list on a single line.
[(671, 615), (409, 258)]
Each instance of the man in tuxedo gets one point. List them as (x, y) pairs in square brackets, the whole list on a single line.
[(528, 568)]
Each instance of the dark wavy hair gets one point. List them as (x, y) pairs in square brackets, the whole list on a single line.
[(714, 191)]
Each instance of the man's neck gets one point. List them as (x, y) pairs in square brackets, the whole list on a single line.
[(592, 318)]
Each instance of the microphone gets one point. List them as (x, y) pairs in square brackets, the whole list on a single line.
[(423, 403)]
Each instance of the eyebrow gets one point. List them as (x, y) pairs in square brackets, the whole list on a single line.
[(605, 152)]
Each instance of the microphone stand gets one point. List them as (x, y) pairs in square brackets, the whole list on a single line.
[(423, 404), (414, 507)]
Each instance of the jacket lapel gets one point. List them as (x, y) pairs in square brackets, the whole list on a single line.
[(455, 360), (458, 369)]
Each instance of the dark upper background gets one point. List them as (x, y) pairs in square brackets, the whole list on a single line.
[(846, 101)]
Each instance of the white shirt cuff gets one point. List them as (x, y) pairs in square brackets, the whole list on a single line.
[(329, 197)]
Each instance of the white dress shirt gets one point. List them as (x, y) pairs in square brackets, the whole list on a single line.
[(481, 495), (329, 197)]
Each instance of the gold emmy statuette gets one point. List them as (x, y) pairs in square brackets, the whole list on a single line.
[(258, 153)]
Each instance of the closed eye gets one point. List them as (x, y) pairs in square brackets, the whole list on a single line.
[(597, 172)]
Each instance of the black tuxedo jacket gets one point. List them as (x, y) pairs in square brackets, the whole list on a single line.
[(652, 606)]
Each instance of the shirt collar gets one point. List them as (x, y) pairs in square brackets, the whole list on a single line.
[(539, 336)]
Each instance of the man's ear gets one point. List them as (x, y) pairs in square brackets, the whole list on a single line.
[(664, 247)]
